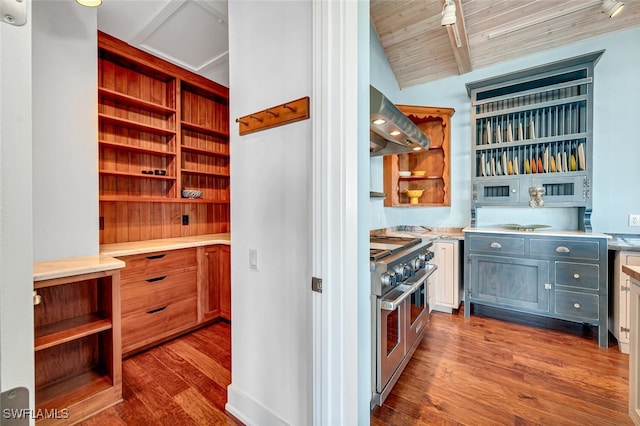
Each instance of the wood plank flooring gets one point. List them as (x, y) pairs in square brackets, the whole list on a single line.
[(476, 371), (528, 371), (181, 382)]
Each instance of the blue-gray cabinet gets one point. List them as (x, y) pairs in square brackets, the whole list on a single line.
[(561, 275), (533, 129)]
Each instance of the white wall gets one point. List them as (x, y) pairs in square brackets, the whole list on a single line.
[(269, 64), (16, 274), (65, 130), (616, 150)]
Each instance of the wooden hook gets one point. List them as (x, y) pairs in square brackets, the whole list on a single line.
[(256, 118), (241, 122), (292, 109), (268, 111)]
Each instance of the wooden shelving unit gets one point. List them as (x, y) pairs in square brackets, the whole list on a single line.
[(77, 345), (435, 162), (153, 116)]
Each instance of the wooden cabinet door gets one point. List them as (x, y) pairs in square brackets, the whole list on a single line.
[(216, 291), (510, 282)]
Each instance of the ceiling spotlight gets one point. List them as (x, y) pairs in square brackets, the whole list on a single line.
[(449, 13), (90, 3), (611, 7)]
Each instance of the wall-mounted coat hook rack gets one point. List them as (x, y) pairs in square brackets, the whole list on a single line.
[(279, 115)]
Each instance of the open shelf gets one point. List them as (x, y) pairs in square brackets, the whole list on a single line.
[(204, 151), (121, 122), (204, 173), (201, 129), (136, 175), (134, 148), (77, 388), (67, 330), (139, 199), (135, 102)]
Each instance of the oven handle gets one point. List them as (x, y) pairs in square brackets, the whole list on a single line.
[(420, 278)]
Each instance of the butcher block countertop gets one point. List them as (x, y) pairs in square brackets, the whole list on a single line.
[(148, 246), (73, 266), (632, 271)]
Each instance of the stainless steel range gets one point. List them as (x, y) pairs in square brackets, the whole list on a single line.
[(400, 270)]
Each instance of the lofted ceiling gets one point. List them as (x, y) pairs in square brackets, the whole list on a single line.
[(192, 34), (420, 50)]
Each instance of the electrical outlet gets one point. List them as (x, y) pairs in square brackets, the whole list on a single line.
[(185, 219), (634, 220)]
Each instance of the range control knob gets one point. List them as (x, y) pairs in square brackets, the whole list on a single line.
[(388, 279), (399, 277), (409, 271), (419, 263), (427, 255)]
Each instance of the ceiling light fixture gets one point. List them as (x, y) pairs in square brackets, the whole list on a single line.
[(448, 13), (89, 3), (611, 7)]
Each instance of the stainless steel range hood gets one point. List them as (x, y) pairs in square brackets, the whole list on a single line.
[(391, 132)]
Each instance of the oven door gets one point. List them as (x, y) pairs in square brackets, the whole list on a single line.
[(394, 322), (392, 342), (417, 312)]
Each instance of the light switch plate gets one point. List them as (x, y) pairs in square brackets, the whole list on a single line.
[(634, 220), (253, 259)]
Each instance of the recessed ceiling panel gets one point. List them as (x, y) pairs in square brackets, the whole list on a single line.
[(193, 36)]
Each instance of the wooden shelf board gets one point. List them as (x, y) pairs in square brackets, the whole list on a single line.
[(421, 178), (134, 148), (141, 199), (135, 102), (107, 119), (68, 330), (74, 389), (201, 129), (204, 151), (136, 175), (198, 172)]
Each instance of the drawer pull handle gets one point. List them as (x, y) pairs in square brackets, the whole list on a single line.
[(496, 245), (576, 276), (152, 280), (576, 305), (153, 311), (562, 249), (156, 256)]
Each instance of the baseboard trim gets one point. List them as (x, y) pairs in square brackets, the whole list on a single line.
[(248, 410)]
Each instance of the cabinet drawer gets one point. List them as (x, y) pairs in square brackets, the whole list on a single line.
[(147, 294), (632, 259), (578, 305), (144, 327), (496, 244), (577, 275), (565, 248), (149, 265)]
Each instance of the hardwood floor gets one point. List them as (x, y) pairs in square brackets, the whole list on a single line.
[(476, 371), (485, 371), (181, 382)]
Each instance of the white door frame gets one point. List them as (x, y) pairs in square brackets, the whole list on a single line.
[(16, 240), (335, 208)]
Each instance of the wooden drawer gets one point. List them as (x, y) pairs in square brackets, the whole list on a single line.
[(148, 294), (576, 304), (150, 265), (570, 249), (144, 327), (579, 275), (496, 244)]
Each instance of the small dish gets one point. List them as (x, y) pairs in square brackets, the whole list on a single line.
[(581, 163), (419, 173), (404, 173), (191, 193)]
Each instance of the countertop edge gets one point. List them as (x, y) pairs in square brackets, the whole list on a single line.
[(540, 233), (632, 271), (69, 267), (149, 246)]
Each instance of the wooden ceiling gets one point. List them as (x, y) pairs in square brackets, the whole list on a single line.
[(420, 50)]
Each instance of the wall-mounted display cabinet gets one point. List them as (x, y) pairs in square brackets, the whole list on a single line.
[(429, 169), (162, 130), (533, 129)]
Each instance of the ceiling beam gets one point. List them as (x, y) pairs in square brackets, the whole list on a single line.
[(459, 42)]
